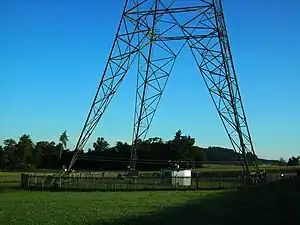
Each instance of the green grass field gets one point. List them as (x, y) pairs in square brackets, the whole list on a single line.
[(206, 168), (21, 207), (270, 205), (9, 179), (274, 204), (226, 168), (15, 174)]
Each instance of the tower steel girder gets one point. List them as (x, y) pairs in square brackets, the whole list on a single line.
[(155, 32), (124, 49), (214, 60), (155, 63)]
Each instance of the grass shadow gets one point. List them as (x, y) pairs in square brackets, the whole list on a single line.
[(7, 186), (275, 203)]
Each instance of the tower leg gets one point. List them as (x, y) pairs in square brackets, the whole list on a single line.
[(213, 57), (124, 50)]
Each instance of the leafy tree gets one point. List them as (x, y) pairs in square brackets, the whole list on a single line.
[(198, 153), (153, 154), (10, 152), (63, 139), (49, 154), (154, 140), (25, 148), (282, 162), (177, 135), (219, 154), (38, 153), (2, 158), (123, 149), (119, 145), (293, 161), (10, 145), (100, 145), (183, 145)]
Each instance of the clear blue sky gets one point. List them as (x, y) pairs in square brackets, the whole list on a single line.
[(52, 54)]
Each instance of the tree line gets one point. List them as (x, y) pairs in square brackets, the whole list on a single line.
[(153, 154)]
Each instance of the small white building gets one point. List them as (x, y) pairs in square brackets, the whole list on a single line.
[(177, 177)]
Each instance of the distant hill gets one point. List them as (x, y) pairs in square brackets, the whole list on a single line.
[(222, 155)]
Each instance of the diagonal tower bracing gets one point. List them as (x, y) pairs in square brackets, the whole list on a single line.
[(153, 32)]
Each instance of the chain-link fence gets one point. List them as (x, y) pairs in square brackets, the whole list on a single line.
[(112, 181), (84, 182)]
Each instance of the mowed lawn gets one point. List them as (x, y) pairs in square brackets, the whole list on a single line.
[(25, 207), (206, 168), (9, 179), (276, 203), (11, 174), (229, 168)]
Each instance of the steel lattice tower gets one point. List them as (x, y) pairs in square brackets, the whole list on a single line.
[(154, 32)]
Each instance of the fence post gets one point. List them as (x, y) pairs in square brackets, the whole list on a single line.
[(175, 182), (197, 180), (23, 180)]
